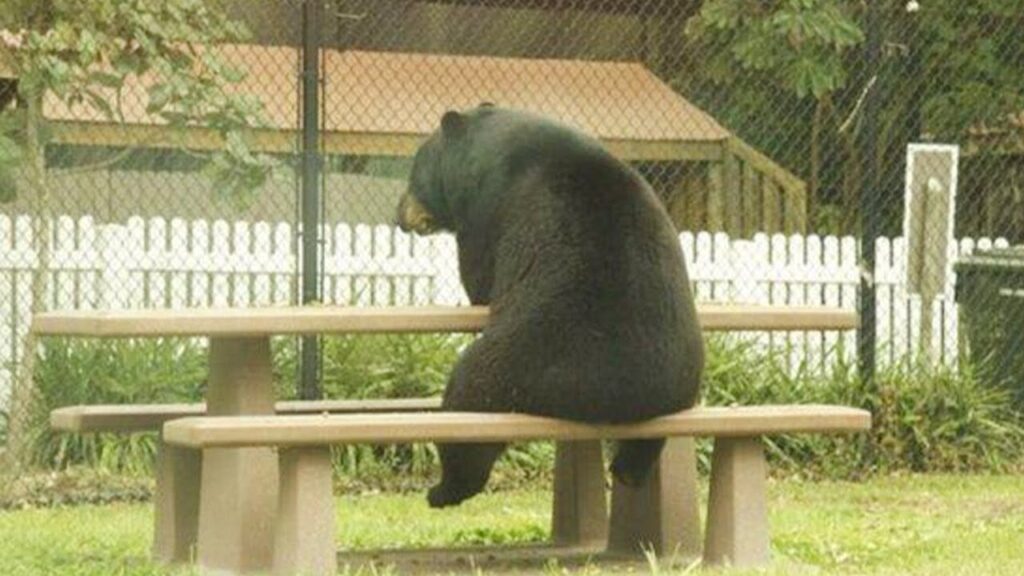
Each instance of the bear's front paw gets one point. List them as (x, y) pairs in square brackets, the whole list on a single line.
[(441, 496)]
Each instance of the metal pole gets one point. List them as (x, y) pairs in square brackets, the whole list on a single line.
[(309, 387), (869, 195)]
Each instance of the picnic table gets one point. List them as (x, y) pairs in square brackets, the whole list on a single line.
[(239, 486)]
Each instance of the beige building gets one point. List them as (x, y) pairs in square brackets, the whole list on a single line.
[(378, 106)]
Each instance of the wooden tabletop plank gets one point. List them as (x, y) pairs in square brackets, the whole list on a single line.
[(389, 428), (244, 322)]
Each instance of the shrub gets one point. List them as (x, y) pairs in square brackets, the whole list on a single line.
[(81, 371), (408, 366), (76, 371), (389, 366), (924, 418), (74, 486), (940, 420)]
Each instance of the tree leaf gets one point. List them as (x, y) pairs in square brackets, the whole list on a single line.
[(8, 185), (100, 104), (159, 95), (106, 79)]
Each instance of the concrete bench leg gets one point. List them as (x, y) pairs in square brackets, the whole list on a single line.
[(304, 533), (238, 499), (176, 504), (664, 513), (579, 514), (737, 509)]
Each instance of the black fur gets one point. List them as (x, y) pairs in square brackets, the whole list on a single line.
[(592, 315)]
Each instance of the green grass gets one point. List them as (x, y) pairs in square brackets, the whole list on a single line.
[(930, 525)]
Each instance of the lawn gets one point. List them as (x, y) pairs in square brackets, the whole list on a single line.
[(899, 525)]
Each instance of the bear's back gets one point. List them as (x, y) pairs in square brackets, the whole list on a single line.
[(589, 250)]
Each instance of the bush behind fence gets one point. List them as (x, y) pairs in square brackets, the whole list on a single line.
[(927, 418)]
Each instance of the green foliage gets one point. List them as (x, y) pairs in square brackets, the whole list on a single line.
[(413, 366), (389, 366), (86, 53), (797, 44), (10, 159), (73, 487), (925, 419), (790, 77), (906, 525), (148, 371), (973, 53), (75, 371), (501, 535)]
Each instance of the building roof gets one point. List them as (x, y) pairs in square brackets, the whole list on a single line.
[(398, 93), (408, 93)]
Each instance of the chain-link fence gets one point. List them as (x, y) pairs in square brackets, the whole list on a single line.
[(815, 152)]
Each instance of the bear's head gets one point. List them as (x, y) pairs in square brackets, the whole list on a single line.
[(437, 182)]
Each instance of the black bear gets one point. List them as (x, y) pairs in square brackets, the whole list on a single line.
[(592, 318)]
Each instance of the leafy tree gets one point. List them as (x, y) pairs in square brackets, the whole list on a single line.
[(948, 68), (775, 60), (791, 77), (83, 55), (797, 44), (973, 55)]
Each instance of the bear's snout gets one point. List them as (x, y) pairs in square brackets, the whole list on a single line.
[(413, 216)]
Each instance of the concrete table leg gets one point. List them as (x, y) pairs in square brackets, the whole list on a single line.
[(579, 514), (737, 509), (238, 499), (663, 514), (304, 533), (176, 504)]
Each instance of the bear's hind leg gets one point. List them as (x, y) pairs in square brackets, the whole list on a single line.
[(634, 460), (477, 384), (465, 469)]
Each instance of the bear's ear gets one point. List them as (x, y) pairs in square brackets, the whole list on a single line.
[(453, 124)]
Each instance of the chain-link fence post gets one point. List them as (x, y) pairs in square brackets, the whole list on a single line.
[(312, 15), (869, 194)]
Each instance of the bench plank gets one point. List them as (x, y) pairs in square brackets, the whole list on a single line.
[(281, 320), (391, 428), (144, 417)]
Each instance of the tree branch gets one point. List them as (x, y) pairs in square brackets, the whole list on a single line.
[(856, 107)]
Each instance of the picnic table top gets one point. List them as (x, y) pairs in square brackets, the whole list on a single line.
[(315, 319)]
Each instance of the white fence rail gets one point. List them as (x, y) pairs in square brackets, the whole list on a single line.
[(159, 263)]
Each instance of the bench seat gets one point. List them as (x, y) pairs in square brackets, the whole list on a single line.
[(179, 470), (737, 524), (151, 417), (398, 428)]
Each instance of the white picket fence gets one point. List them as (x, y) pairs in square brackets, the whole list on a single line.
[(174, 264)]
